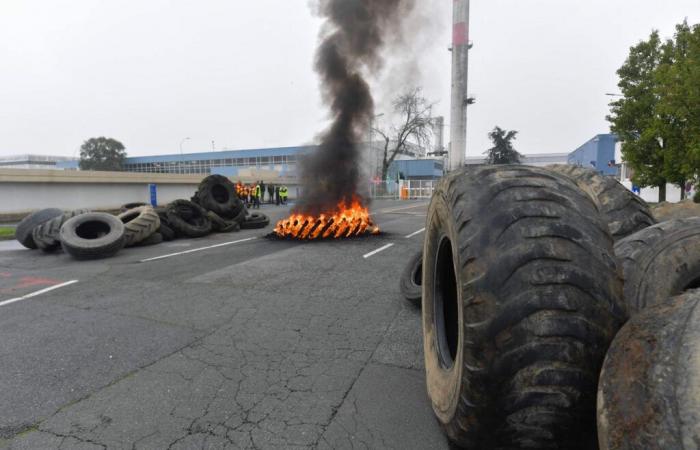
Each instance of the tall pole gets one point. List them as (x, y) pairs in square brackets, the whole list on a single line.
[(460, 70)]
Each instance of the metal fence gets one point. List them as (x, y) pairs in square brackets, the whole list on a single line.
[(404, 189)]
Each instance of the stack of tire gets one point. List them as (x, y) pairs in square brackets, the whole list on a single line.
[(528, 274), (217, 195)]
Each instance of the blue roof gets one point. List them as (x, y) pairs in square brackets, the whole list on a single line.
[(227, 154)]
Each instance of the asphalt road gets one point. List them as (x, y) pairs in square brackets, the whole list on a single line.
[(250, 344)]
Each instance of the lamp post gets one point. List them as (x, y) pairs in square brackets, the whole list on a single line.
[(182, 157)]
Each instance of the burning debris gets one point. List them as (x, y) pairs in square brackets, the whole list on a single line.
[(353, 36)]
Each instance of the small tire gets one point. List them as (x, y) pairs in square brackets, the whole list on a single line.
[(139, 223), (23, 232), (47, 235), (218, 194), (411, 282), (624, 211), (648, 396), (520, 295), (255, 221), (188, 219), (154, 239), (659, 262), (93, 236)]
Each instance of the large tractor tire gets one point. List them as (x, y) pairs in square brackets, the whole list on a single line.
[(520, 303), (649, 392), (47, 235), (659, 262), (140, 223), (129, 206), (218, 194), (93, 236), (24, 230), (188, 219), (411, 281), (624, 211)]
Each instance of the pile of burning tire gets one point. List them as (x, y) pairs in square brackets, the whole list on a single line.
[(215, 207), (556, 314)]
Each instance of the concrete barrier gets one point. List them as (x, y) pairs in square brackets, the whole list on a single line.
[(22, 191)]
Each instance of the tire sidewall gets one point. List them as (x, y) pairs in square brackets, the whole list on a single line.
[(444, 385)]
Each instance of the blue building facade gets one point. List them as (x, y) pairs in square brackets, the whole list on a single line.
[(598, 153), (416, 169)]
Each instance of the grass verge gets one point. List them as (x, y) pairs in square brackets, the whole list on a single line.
[(7, 233)]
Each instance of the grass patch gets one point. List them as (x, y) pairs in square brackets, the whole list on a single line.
[(7, 233)]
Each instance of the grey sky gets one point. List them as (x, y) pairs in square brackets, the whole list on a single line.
[(152, 72)]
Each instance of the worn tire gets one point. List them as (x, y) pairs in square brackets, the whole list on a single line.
[(188, 219), (139, 223), (659, 262), (411, 281), (23, 232), (624, 211), (47, 235), (255, 221), (93, 236), (520, 295), (218, 194), (649, 391), (128, 206), (154, 239), (166, 232)]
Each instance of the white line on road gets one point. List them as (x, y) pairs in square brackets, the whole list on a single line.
[(370, 254), (34, 294), (415, 234), (196, 250), (390, 210)]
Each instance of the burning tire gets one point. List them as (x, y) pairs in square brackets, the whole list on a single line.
[(624, 211), (411, 282), (648, 394), (659, 262), (521, 294), (140, 223), (254, 221), (188, 219), (93, 236), (218, 194), (47, 235), (24, 230)]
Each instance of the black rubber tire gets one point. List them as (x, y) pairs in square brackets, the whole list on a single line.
[(218, 194), (93, 236), (624, 211), (47, 235), (659, 262), (188, 219), (154, 239), (140, 223), (126, 207), (166, 232), (648, 394), (411, 281), (255, 221), (240, 218), (23, 232), (520, 295)]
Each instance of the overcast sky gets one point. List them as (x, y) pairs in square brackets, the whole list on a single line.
[(153, 72)]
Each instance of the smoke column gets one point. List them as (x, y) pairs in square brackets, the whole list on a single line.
[(353, 36)]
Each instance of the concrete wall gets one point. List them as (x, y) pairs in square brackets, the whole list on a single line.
[(27, 190)]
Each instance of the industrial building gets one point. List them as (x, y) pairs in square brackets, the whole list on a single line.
[(598, 153), (35, 162)]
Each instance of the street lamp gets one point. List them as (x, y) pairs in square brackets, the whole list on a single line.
[(182, 157)]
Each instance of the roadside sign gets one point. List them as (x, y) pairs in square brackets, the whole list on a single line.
[(154, 194)]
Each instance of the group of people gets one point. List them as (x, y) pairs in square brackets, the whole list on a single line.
[(254, 194)]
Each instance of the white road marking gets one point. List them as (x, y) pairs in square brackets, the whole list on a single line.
[(196, 250), (383, 211), (34, 294), (370, 254), (415, 234)]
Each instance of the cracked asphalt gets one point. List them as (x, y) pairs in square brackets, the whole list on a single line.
[(261, 344)]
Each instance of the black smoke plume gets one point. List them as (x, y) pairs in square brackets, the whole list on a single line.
[(354, 34)]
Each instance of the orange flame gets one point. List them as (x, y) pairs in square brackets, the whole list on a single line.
[(347, 220)]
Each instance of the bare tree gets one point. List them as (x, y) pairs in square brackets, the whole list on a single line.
[(413, 133)]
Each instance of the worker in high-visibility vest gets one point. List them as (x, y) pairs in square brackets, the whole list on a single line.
[(283, 194), (256, 196)]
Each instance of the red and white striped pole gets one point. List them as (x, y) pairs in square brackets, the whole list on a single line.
[(460, 71)]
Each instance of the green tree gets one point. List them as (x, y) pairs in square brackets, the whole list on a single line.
[(502, 151), (104, 154)]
